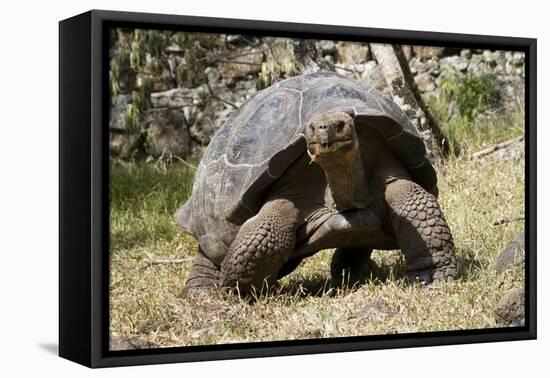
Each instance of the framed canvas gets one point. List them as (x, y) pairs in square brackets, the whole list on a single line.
[(234, 188)]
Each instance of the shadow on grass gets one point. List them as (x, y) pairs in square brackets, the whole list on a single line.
[(319, 285), (316, 285)]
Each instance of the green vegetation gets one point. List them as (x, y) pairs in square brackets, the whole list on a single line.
[(143, 199), (474, 94), (148, 301), (140, 64), (279, 63), (480, 118)]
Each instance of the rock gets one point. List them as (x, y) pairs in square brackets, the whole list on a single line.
[(427, 52), (328, 60), (242, 64), (477, 66), (373, 76), (119, 109), (501, 63), (167, 134), (212, 74), (178, 97), (509, 67), (425, 82), (312, 334), (416, 65), (327, 47), (351, 70), (430, 66), (234, 38), (352, 52), (518, 58), (510, 310), (513, 254), (124, 145), (466, 54), (487, 55), (376, 308), (456, 62), (514, 87), (497, 56), (174, 48), (161, 82), (199, 110), (208, 122), (239, 40), (129, 343)]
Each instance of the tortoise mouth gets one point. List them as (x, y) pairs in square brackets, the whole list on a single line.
[(330, 147)]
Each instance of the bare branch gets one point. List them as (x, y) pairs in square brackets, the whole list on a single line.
[(400, 80), (211, 91), (240, 62), (152, 260), (186, 163), (508, 220), (496, 147)]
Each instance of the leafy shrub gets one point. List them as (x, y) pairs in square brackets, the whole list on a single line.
[(473, 94)]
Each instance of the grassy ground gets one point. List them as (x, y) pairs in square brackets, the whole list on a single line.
[(148, 301)]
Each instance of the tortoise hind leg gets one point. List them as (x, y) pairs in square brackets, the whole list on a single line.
[(421, 231), (262, 246), (351, 265), (204, 275)]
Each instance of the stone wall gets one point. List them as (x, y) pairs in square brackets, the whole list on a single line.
[(179, 121)]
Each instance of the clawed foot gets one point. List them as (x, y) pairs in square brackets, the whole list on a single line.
[(430, 276)]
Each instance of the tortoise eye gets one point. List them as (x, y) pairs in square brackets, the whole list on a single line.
[(340, 125)]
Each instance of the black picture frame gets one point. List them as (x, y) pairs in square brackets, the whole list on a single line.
[(84, 179)]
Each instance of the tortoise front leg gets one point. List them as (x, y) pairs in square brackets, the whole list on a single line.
[(262, 246), (421, 231)]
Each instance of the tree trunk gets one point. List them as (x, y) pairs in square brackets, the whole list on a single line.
[(400, 80)]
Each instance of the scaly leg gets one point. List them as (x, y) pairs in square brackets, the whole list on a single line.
[(421, 231), (262, 246)]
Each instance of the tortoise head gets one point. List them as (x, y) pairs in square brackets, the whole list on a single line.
[(333, 144), (331, 136)]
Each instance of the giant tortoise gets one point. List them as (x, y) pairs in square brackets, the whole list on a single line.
[(314, 162)]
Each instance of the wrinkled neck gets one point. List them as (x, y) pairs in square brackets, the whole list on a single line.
[(346, 180)]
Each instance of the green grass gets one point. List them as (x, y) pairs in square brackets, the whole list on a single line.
[(143, 199), (490, 130), (149, 301)]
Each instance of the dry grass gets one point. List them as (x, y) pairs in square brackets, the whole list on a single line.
[(149, 301)]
